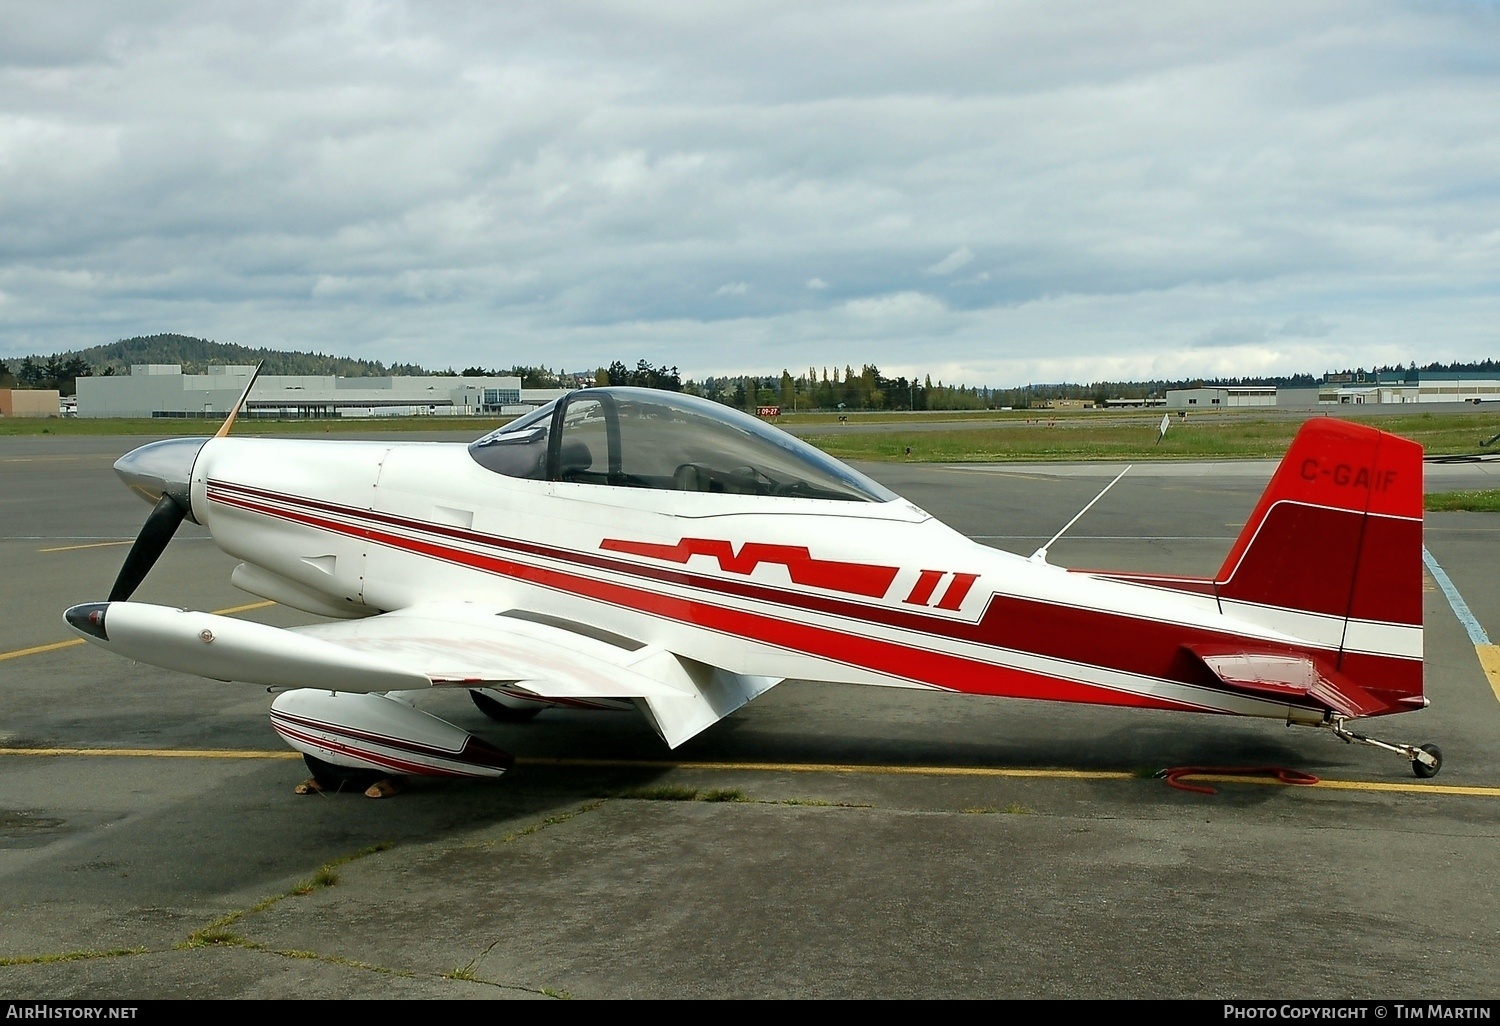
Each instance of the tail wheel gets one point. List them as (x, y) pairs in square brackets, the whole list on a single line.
[(1423, 770), (502, 713)]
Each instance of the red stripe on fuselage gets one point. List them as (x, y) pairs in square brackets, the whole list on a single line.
[(927, 582), (1079, 635), (864, 579), (923, 666)]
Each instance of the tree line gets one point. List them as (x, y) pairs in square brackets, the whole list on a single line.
[(54, 372), (825, 388)]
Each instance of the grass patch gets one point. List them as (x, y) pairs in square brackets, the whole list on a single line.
[(662, 793), (326, 876), (553, 992), (69, 956), (682, 793), (211, 937), (1484, 501), (1013, 809)]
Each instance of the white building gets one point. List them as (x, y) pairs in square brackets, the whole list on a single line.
[(162, 390), (1217, 398), (1415, 387)]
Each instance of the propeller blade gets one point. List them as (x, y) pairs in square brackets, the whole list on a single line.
[(235, 412), (149, 544)]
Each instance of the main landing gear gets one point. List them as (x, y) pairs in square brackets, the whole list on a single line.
[(327, 777), (1426, 760)]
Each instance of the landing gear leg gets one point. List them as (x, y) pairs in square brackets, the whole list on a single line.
[(328, 777), (1426, 760)]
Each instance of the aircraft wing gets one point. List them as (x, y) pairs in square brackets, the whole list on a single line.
[(468, 645), (459, 644)]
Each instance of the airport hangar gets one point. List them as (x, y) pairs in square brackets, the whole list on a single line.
[(162, 390), (1355, 389)]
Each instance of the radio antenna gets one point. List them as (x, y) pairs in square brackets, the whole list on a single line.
[(1040, 555)]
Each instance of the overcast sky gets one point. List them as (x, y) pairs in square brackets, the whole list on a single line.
[(992, 193)]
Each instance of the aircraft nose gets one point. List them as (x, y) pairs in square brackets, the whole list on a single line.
[(161, 468), (89, 618)]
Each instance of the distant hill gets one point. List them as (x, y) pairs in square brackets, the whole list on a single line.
[(196, 355)]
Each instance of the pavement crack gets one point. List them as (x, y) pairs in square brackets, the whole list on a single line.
[(466, 973), (561, 817), (70, 956), (326, 875)]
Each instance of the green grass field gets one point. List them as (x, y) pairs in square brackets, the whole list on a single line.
[(1134, 438), (1487, 501), (981, 437)]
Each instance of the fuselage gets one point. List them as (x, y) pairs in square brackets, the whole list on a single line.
[(876, 593)]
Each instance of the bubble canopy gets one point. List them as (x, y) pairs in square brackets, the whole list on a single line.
[(645, 438)]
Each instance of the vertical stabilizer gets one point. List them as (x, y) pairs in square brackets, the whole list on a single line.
[(1333, 553)]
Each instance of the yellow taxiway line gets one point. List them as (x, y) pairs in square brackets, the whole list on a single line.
[(90, 545), (39, 649), (997, 771), (856, 769), (54, 646)]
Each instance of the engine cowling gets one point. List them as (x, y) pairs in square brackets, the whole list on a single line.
[(377, 732)]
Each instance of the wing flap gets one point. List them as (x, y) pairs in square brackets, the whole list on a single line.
[(710, 693), (466, 645)]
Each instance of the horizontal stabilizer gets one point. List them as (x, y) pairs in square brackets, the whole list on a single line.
[(1289, 676)]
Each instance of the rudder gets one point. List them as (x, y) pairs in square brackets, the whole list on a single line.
[(1336, 541)]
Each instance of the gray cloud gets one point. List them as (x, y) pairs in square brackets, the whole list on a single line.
[(1155, 189)]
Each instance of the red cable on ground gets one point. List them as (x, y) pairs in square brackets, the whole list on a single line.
[(1281, 773)]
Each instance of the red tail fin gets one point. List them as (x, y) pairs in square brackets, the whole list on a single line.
[(1338, 532)]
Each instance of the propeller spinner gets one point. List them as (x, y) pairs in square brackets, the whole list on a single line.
[(162, 474)]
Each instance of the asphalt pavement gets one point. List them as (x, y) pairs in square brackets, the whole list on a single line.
[(825, 841)]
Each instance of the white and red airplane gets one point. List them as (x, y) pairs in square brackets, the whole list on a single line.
[(625, 547)]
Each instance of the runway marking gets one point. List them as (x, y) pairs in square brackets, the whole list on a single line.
[(54, 646), (1472, 791), (55, 537), (39, 649), (90, 545), (54, 459), (243, 609), (1489, 654)]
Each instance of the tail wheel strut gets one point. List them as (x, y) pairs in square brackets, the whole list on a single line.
[(1426, 760)]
